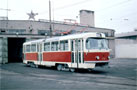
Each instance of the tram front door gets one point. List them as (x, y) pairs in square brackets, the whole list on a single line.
[(77, 53), (39, 47)]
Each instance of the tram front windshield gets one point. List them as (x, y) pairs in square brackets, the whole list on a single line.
[(96, 43)]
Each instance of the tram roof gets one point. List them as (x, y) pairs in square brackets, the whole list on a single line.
[(34, 41), (73, 36)]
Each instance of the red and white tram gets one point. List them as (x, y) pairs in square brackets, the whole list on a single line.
[(76, 51)]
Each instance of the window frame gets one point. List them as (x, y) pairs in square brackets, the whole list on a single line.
[(49, 46), (55, 46), (64, 45), (33, 48), (28, 49), (98, 42)]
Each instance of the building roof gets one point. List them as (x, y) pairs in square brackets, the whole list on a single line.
[(58, 22), (127, 34)]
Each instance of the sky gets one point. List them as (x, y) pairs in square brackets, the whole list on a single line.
[(120, 15)]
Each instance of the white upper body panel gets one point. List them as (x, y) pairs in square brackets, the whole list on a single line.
[(68, 37)]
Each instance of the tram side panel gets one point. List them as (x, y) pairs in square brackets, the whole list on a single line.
[(57, 56), (32, 56)]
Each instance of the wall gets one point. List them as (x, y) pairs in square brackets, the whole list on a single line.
[(111, 44), (3, 50), (126, 51), (32, 27), (126, 48)]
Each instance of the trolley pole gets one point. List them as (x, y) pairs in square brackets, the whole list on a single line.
[(50, 27)]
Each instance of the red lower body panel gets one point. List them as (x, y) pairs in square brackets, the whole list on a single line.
[(32, 56), (57, 56), (91, 56)]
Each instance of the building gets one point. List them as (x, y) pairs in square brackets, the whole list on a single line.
[(87, 18), (14, 32), (126, 45)]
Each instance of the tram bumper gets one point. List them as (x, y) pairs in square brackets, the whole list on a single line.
[(98, 63)]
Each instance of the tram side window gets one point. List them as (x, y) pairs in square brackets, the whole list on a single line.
[(54, 46), (38, 47), (33, 48), (46, 46), (79, 45), (27, 48), (64, 45)]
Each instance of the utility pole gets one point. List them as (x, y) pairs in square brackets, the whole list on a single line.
[(50, 27), (7, 10)]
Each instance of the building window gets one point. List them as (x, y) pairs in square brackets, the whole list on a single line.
[(15, 31), (43, 32), (2, 31), (106, 34)]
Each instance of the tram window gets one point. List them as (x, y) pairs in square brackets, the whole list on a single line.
[(96, 43), (79, 45), (33, 48), (46, 46), (38, 47), (72, 48), (28, 48), (64, 45), (61, 45), (54, 46)]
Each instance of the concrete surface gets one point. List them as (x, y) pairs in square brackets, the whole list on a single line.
[(122, 75)]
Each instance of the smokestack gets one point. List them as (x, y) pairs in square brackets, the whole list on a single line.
[(87, 17)]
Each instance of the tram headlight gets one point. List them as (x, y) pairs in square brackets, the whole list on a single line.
[(97, 57), (108, 57)]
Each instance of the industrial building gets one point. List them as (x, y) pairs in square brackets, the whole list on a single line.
[(126, 45), (14, 32)]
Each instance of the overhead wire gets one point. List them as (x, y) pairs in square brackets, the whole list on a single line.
[(69, 5), (114, 5)]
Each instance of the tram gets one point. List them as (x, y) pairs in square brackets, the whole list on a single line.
[(76, 51)]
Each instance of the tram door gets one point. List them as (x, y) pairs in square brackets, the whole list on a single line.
[(39, 48), (77, 53)]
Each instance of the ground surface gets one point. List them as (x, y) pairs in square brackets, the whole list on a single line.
[(122, 75)]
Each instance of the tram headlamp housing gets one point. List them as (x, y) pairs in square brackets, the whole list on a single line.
[(97, 57), (108, 57), (98, 34)]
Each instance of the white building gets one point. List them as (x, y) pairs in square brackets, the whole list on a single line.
[(126, 45)]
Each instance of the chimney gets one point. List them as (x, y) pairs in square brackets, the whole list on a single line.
[(87, 17)]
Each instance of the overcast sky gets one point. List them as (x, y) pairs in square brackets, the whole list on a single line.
[(120, 15)]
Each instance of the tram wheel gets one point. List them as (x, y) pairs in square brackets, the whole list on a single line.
[(72, 70), (59, 67), (33, 65)]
